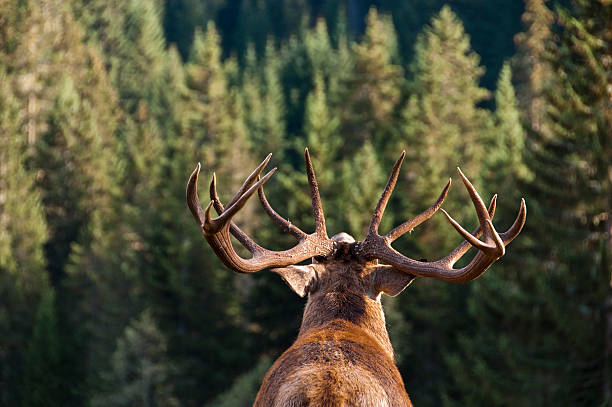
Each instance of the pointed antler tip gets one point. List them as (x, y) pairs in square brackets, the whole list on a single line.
[(196, 171), (207, 211)]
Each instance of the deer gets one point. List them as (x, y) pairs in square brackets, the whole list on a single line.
[(342, 355)]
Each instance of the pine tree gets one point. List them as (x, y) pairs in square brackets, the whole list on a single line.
[(443, 125), (43, 375), (443, 128), (504, 167), (362, 182), (264, 104), (374, 89), (180, 277), (541, 322), (23, 231), (581, 117), (140, 368), (532, 66)]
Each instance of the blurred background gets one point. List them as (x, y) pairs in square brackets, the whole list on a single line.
[(110, 296)]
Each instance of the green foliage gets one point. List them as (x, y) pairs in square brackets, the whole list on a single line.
[(140, 369), (108, 293), (42, 372), (23, 231), (505, 144), (373, 90), (443, 123)]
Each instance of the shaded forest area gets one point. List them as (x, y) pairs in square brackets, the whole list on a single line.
[(109, 295)]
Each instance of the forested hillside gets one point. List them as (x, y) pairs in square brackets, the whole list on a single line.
[(110, 296)]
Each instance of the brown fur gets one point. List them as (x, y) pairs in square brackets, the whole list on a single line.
[(342, 356)]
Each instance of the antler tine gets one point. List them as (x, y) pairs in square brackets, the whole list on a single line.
[(193, 201), (386, 194), (242, 237), (317, 207), (250, 180), (481, 209), (278, 219), (491, 250), (517, 226), (213, 225), (462, 249), (422, 217)]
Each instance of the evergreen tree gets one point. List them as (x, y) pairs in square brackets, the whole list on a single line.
[(362, 182), (580, 118), (444, 128), (532, 66), (23, 276), (541, 323), (140, 374), (264, 104), (43, 375), (132, 41), (374, 89), (180, 277), (504, 167)]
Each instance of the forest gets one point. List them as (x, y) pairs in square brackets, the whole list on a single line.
[(109, 294)]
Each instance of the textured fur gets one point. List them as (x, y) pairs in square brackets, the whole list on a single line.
[(342, 356)]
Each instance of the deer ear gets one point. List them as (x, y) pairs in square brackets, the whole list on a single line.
[(299, 278), (389, 280)]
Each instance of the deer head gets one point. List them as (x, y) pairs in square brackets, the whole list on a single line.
[(343, 350)]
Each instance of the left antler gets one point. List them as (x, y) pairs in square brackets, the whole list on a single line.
[(492, 248), (217, 231)]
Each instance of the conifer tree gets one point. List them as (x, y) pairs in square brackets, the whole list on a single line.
[(548, 306), (23, 231), (443, 125), (532, 66), (374, 89), (140, 374), (43, 379), (180, 276), (503, 165), (581, 119), (443, 128), (264, 103), (362, 181)]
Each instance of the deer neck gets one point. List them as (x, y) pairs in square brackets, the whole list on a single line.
[(346, 311)]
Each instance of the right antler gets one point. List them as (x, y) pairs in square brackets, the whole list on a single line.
[(217, 231), (379, 247)]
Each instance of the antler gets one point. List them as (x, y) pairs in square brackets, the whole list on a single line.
[(217, 231), (492, 248)]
